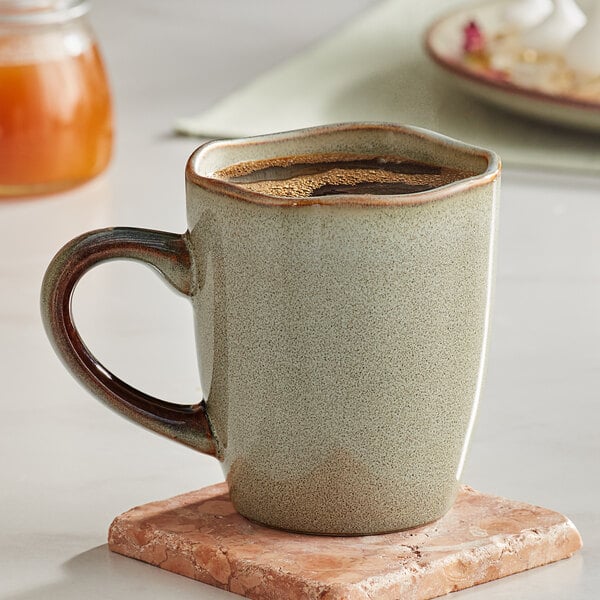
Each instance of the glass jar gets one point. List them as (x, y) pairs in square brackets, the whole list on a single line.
[(55, 106)]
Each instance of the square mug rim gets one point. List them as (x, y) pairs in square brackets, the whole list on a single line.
[(220, 186)]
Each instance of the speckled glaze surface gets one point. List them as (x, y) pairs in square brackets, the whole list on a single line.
[(341, 339)]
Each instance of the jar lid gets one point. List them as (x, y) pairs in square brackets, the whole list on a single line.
[(42, 12)]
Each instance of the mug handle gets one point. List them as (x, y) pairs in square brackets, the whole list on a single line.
[(170, 255)]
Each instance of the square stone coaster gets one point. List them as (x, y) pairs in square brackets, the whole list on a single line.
[(482, 538)]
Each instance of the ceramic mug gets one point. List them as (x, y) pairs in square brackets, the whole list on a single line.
[(341, 339)]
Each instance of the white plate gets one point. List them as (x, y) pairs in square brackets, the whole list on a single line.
[(443, 42)]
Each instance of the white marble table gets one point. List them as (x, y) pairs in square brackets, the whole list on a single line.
[(68, 465)]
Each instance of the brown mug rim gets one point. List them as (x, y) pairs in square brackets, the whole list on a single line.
[(236, 192)]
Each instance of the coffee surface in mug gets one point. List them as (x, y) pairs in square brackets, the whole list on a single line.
[(327, 174)]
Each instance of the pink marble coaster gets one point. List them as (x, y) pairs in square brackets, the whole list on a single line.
[(482, 538)]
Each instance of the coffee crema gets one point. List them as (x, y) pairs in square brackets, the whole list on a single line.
[(311, 175)]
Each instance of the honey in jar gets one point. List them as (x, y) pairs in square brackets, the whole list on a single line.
[(55, 107)]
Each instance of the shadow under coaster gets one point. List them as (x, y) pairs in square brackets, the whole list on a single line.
[(482, 538)]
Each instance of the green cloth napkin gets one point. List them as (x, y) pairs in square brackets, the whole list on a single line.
[(375, 69)]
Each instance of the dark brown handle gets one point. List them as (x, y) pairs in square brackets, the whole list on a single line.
[(169, 254)]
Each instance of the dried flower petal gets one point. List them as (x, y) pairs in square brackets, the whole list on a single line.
[(474, 40)]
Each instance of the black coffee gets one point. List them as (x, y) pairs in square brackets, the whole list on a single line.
[(328, 174)]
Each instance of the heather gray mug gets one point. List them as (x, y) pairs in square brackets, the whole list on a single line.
[(341, 339)]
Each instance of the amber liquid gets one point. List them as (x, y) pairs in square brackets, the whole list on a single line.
[(55, 123)]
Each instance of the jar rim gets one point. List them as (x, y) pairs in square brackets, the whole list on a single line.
[(41, 12)]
